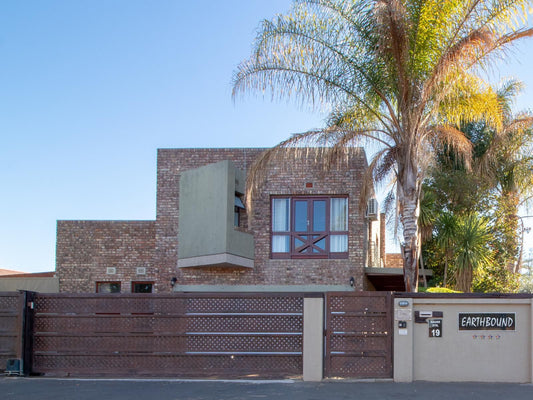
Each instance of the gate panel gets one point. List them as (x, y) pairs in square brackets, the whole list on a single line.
[(11, 314), (358, 335), (189, 335)]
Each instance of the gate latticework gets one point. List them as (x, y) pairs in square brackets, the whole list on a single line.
[(186, 335), (11, 314), (358, 335)]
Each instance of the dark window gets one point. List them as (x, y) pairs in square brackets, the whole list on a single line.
[(239, 207), (309, 227), (237, 217), (141, 287), (107, 287)]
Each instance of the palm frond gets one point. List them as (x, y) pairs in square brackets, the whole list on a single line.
[(316, 146), (403, 73), (451, 137)]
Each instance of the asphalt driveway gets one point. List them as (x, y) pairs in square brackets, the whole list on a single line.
[(58, 389)]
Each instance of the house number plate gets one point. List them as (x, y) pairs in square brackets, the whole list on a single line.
[(435, 327)]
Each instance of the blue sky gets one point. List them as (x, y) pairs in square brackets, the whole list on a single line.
[(91, 89)]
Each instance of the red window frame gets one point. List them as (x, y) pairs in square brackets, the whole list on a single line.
[(133, 283), (304, 244), (108, 283)]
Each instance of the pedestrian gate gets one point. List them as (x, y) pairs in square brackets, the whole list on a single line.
[(358, 335)]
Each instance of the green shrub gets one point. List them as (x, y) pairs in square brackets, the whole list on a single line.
[(437, 290)]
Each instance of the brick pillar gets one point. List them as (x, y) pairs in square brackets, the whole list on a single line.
[(382, 239)]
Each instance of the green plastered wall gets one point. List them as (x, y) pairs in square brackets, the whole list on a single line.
[(206, 219)]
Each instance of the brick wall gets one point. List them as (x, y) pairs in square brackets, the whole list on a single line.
[(170, 163), (394, 260), (85, 249), (284, 178)]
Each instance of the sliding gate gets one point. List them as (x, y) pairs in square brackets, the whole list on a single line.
[(225, 335), (358, 335)]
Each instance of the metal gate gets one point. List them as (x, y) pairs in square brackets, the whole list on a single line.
[(11, 314), (237, 335), (358, 335), (15, 330)]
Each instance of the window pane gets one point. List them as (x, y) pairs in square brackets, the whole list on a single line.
[(142, 287), (236, 217), (319, 215), (280, 215), (300, 216), (339, 214), (299, 242), (280, 243), (321, 244), (338, 243), (108, 287)]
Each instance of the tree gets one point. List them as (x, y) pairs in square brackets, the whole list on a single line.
[(510, 163), (400, 73), (471, 252), (446, 231), (502, 165), (499, 181)]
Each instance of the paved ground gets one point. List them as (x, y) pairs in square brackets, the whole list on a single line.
[(59, 389)]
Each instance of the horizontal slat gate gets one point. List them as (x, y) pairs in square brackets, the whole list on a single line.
[(358, 335), (11, 314), (188, 335)]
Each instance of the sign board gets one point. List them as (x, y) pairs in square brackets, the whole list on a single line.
[(403, 314), (487, 321), (421, 317), (435, 327)]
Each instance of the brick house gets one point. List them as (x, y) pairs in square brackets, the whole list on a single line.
[(304, 231)]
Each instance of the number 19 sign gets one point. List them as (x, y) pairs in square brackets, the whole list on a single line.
[(435, 327)]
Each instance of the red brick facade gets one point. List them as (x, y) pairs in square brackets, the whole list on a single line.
[(85, 249)]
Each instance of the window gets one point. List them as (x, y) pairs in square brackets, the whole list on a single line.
[(141, 287), (107, 287), (239, 207), (309, 227)]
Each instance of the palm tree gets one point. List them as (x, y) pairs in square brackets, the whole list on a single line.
[(471, 250), (505, 160), (512, 163), (400, 73), (446, 232)]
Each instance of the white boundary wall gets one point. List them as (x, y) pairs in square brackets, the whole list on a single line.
[(463, 355)]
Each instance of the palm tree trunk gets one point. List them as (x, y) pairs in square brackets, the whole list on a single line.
[(409, 199), (445, 269), (464, 279), (410, 265), (422, 268), (509, 204)]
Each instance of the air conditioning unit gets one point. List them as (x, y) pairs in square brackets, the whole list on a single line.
[(372, 209), (111, 271), (14, 367), (141, 270)]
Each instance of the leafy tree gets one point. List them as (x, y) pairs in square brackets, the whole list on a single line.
[(471, 249), (499, 181), (399, 72), (446, 231), (510, 162), (501, 178), (495, 278), (503, 163), (526, 278)]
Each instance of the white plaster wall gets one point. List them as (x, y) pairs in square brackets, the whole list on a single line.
[(313, 339), (467, 355), (42, 285)]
